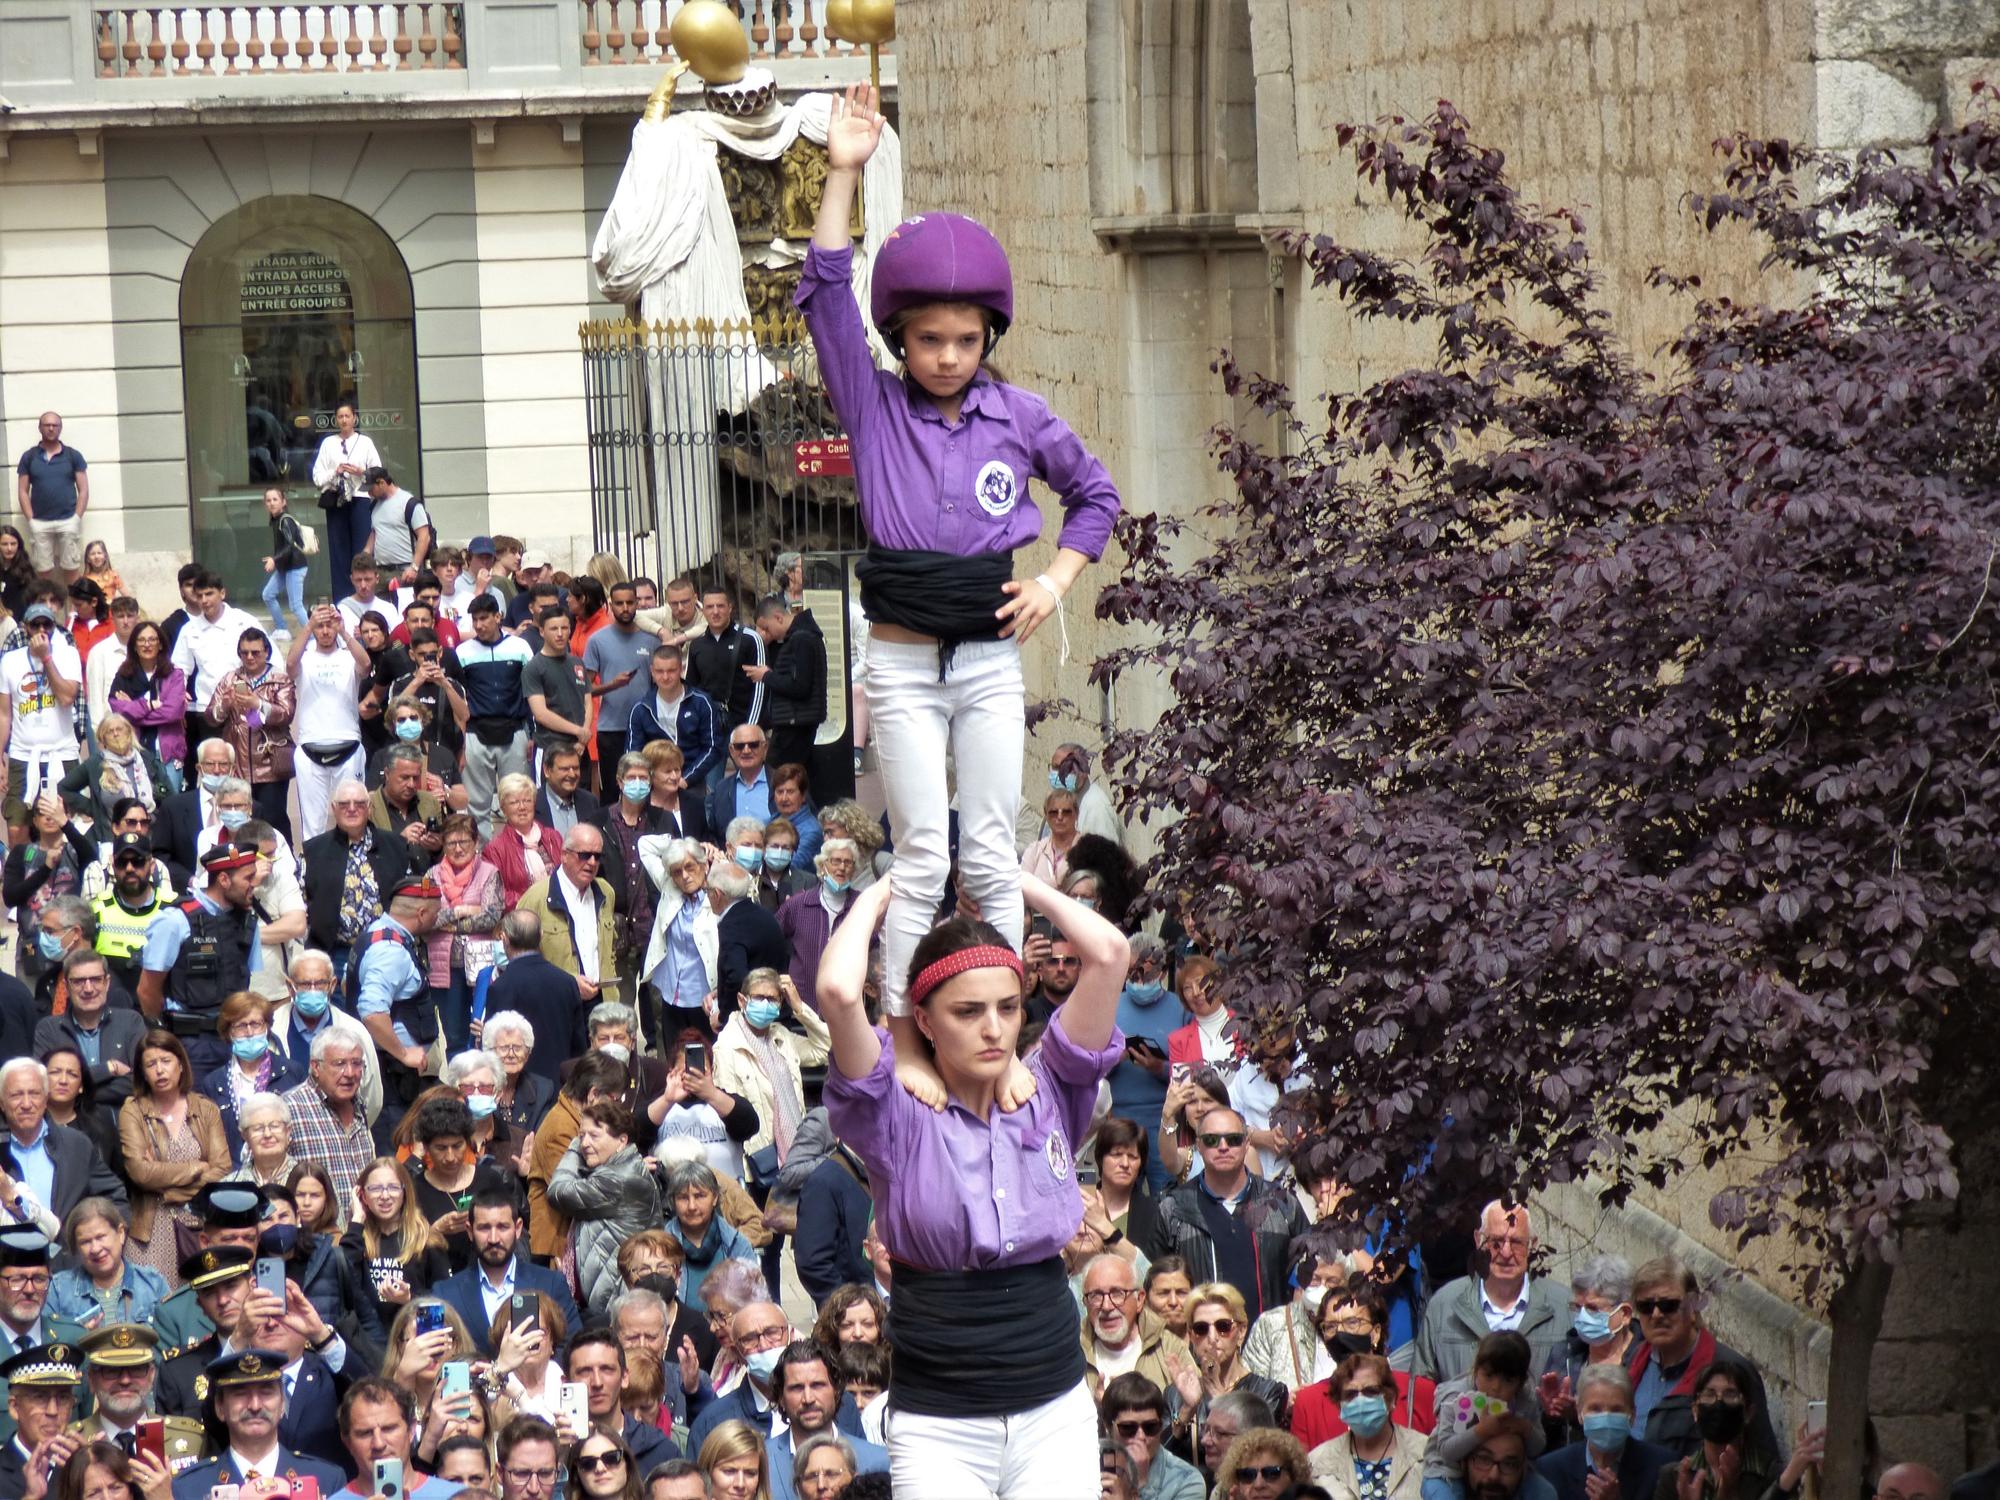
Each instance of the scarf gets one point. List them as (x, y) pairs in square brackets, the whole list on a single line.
[(455, 883), (786, 1106), (936, 593), (125, 776)]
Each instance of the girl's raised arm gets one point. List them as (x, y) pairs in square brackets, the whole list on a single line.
[(1090, 1014), (843, 973)]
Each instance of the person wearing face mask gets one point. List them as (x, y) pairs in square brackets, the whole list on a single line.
[(233, 809), (1148, 1015), (613, 1029), (1666, 1365), (1373, 1458), (782, 874), (809, 918), (1608, 1448), (1351, 1320), (1733, 1458), (322, 1286), (48, 865), (1069, 771), (1284, 1343), (1603, 1328), (309, 1011), (254, 1066), (282, 900), (759, 1060)]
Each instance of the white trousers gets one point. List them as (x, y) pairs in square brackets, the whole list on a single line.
[(979, 713), (316, 783), (1047, 1452)]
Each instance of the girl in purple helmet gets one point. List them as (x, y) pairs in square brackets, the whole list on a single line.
[(943, 454)]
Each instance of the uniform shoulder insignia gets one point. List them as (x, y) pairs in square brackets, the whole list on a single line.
[(201, 1388)]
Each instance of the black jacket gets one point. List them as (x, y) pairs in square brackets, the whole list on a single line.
[(747, 937), (834, 1210), (716, 667), (588, 808), (795, 689), (326, 867), (81, 1171), (176, 825), (547, 997)]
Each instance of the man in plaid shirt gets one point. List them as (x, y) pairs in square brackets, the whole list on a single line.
[(327, 1124)]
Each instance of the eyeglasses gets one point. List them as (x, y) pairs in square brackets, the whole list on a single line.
[(1213, 1138), (1109, 1295), (1062, 963), (530, 1476), (1269, 1473), (1222, 1326), (764, 1338), (1357, 1322), (33, 1281), (1719, 1398), (595, 1461), (1149, 1428), (1666, 1307)]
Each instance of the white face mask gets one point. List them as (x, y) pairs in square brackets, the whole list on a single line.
[(1315, 1299)]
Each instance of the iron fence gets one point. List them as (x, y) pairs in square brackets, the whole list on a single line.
[(713, 448)]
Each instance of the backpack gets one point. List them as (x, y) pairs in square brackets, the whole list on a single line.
[(308, 540)]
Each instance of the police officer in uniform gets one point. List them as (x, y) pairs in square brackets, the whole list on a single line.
[(392, 996), (246, 1402), (200, 951), (230, 1214), (126, 909), (118, 1365), (41, 1396)]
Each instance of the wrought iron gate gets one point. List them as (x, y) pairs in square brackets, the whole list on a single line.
[(713, 449)]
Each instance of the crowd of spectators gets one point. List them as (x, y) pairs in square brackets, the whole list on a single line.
[(412, 1056)]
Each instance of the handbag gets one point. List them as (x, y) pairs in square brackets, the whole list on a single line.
[(332, 497), (308, 540)]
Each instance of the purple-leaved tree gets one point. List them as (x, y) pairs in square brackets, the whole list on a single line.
[(1567, 754)]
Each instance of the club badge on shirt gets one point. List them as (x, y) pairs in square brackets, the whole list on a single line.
[(996, 488), (1057, 1151)]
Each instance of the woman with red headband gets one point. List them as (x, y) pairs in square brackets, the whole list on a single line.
[(975, 1203)]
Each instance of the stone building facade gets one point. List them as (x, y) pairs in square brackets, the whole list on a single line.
[(1137, 222)]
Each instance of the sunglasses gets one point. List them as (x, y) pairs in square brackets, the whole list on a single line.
[(1665, 1306), (1212, 1139), (595, 1461), (1150, 1428), (585, 854), (1223, 1326), (1269, 1473)]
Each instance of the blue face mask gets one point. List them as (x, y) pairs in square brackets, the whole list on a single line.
[(279, 1240), (764, 1364), (481, 1106), (409, 729), (636, 790), (1146, 993), (1607, 1431), (1058, 782), (234, 818), (47, 944), (761, 1013), (249, 1048), (1367, 1415), (211, 783), (778, 859), (751, 859), (1087, 902), (311, 1004), (1592, 1326), (833, 887)]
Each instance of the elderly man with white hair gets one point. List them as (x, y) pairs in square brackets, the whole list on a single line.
[(747, 937), (350, 872), (680, 959), (807, 918), (1500, 1297), (578, 914), (328, 1126), (309, 1012), (55, 1166)]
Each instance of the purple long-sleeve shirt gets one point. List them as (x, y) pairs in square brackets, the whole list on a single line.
[(959, 487), (966, 1194)]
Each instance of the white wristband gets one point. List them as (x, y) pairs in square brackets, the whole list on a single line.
[(1050, 584)]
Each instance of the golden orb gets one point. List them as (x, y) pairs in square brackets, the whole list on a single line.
[(711, 40), (874, 21), (840, 19)]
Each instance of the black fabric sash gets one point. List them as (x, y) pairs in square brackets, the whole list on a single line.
[(982, 1343), (936, 593)]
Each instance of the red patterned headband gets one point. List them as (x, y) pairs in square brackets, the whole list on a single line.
[(985, 956)]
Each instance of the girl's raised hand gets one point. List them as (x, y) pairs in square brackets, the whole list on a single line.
[(854, 129)]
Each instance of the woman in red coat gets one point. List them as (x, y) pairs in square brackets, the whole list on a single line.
[(522, 850)]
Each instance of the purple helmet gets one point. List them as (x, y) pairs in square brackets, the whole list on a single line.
[(940, 258)]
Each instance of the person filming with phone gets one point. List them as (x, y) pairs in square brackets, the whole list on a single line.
[(375, 1426)]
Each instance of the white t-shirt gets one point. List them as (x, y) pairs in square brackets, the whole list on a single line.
[(206, 651), (327, 697), (352, 609), (1111, 1363), (1254, 1097), (42, 726), (583, 922)]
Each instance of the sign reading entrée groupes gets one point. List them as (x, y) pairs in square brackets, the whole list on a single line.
[(823, 458)]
